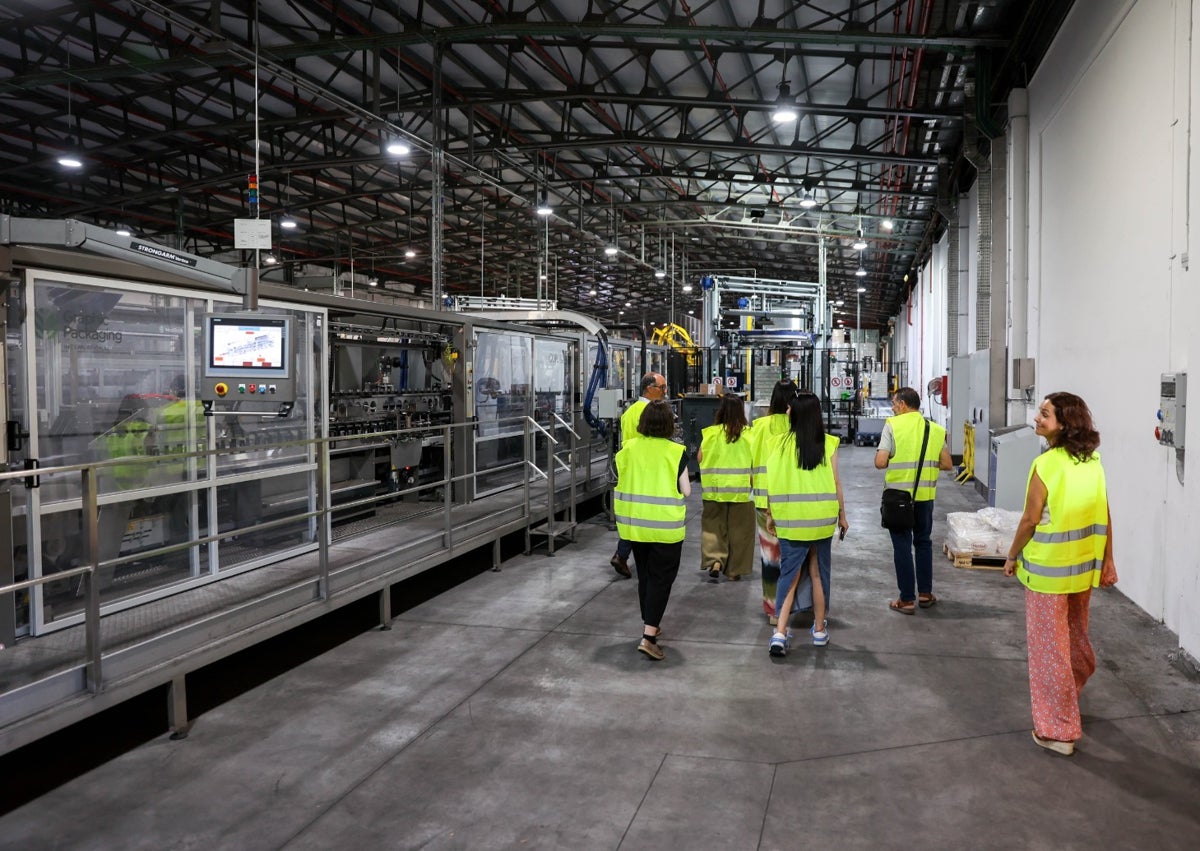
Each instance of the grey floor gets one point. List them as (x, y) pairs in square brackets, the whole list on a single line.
[(514, 712)]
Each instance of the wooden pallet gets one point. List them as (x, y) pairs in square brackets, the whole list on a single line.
[(973, 561)]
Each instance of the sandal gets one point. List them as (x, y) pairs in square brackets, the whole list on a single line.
[(904, 607), (926, 600)]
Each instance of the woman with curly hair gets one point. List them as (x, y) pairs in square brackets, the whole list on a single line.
[(1061, 551)]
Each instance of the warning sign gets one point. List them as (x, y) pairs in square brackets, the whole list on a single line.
[(835, 381)]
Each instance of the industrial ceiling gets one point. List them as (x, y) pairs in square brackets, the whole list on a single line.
[(647, 126)]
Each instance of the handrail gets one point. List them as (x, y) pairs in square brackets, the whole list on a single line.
[(312, 461), (565, 425)]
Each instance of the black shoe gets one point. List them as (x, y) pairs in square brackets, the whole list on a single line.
[(621, 566)]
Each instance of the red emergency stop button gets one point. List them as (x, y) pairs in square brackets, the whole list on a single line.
[(221, 388), (1157, 433)]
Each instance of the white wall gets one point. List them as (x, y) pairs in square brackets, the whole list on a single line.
[(1110, 303)]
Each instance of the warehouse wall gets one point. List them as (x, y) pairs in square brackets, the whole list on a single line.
[(1112, 304)]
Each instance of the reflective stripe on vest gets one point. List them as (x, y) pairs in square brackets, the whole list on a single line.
[(767, 432), (908, 429), (646, 501), (1065, 555), (725, 467), (803, 503)]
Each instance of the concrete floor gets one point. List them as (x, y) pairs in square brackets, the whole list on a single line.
[(514, 712)]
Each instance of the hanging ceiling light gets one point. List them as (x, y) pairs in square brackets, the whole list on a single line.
[(288, 223), (410, 253), (123, 230), (372, 282), (862, 289), (807, 201), (543, 207), (270, 260), (861, 273), (660, 273), (887, 224), (859, 244), (785, 106), (396, 147), (70, 160), (592, 291), (687, 288)]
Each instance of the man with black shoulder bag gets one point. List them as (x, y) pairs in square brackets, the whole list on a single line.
[(907, 449)]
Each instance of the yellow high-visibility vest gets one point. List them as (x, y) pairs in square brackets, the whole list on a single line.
[(767, 432), (803, 503), (725, 467), (1065, 555), (647, 501), (629, 421), (909, 431)]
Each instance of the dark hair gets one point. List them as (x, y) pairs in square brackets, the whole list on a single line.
[(804, 417), (784, 392), (1076, 433), (731, 414), (657, 420), (648, 381), (909, 397)]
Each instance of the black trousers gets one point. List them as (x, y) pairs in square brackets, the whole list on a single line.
[(657, 567)]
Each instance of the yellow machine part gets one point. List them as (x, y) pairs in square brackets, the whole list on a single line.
[(678, 338)]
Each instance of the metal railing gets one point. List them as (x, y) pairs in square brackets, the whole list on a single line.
[(317, 463)]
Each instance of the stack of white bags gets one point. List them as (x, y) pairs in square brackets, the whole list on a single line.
[(986, 532)]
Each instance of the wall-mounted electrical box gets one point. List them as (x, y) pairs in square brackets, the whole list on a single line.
[(1022, 373), (1172, 405)]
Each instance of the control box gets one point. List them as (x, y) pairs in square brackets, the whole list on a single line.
[(1172, 405), (248, 357)]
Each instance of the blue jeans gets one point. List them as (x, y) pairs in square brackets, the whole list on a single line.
[(624, 548), (904, 543), (793, 556)]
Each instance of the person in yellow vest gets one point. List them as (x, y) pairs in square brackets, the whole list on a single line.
[(898, 453), (805, 507), (765, 432), (653, 386), (652, 483), (1061, 551), (727, 521)]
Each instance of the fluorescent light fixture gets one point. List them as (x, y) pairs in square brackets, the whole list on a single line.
[(611, 250), (70, 161), (861, 273), (396, 148), (887, 224), (660, 273)]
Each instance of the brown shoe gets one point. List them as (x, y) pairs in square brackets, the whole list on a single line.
[(651, 649), (621, 566)]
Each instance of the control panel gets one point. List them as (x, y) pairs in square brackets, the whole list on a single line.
[(1172, 405)]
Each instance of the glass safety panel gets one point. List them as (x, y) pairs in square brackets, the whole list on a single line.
[(502, 388), (113, 369), (618, 370)]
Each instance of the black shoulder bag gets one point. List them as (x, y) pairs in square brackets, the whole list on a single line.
[(898, 511)]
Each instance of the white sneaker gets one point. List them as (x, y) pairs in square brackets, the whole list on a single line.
[(820, 637)]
